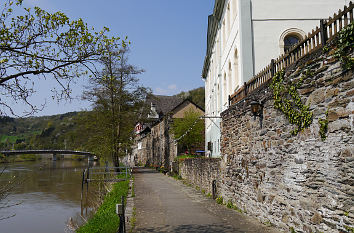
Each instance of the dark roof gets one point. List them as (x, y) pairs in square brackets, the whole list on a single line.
[(163, 104)]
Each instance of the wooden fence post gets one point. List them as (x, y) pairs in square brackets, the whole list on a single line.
[(323, 28), (272, 67), (245, 85)]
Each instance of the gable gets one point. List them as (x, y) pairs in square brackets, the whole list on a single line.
[(185, 107)]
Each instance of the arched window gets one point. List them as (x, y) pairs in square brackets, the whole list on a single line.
[(289, 41), (235, 70), (289, 38)]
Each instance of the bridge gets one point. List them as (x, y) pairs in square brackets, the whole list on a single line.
[(89, 155)]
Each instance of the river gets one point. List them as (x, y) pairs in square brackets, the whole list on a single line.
[(49, 193)]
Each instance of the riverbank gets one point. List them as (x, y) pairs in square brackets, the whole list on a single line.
[(106, 219), (19, 158), (33, 157)]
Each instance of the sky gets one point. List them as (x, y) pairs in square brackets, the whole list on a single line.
[(168, 41)]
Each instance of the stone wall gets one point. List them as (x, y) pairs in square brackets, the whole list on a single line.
[(294, 182), (157, 147), (200, 172)]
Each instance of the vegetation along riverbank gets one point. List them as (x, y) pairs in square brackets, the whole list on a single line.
[(106, 219)]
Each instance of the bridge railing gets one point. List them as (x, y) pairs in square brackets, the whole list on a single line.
[(316, 39)]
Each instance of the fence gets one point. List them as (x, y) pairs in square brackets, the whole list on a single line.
[(104, 174), (314, 40)]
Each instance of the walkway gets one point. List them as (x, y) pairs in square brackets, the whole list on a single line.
[(166, 205)]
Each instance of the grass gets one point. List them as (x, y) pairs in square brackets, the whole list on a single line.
[(177, 177), (187, 156), (220, 200), (105, 219), (230, 205)]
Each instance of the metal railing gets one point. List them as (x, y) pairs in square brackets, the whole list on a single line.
[(316, 39), (106, 174)]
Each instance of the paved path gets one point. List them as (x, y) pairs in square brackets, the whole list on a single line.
[(166, 205)]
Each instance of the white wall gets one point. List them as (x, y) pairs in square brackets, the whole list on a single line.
[(253, 28), (270, 18)]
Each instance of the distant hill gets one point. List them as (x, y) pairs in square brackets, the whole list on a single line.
[(46, 132), (58, 131), (196, 95)]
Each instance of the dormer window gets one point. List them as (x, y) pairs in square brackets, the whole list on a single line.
[(153, 112)]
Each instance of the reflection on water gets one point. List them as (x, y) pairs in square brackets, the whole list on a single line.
[(48, 195)]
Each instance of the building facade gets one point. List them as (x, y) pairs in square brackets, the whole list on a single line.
[(155, 144), (243, 36)]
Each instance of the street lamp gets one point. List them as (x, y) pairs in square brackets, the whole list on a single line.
[(257, 110)]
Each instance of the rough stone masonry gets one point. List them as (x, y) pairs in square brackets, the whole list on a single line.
[(298, 183)]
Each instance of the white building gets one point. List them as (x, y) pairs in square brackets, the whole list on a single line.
[(243, 36)]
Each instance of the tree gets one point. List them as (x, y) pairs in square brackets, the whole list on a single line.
[(5, 190), (196, 95), (38, 44), (189, 131), (117, 101)]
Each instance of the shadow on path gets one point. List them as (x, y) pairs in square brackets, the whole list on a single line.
[(192, 228), (144, 170), (166, 205)]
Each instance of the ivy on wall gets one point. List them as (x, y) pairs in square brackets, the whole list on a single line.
[(288, 101), (345, 47), (323, 126)]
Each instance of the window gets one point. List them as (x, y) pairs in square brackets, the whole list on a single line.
[(235, 70), (289, 41), (225, 90), (290, 37)]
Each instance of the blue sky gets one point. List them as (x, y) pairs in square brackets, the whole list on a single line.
[(168, 41)]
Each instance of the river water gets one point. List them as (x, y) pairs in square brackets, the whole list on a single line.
[(49, 193)]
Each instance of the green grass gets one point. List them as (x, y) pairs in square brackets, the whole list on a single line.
[(186, 156), (230, 205), (177, 177), (220, 200), (105, 219)]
